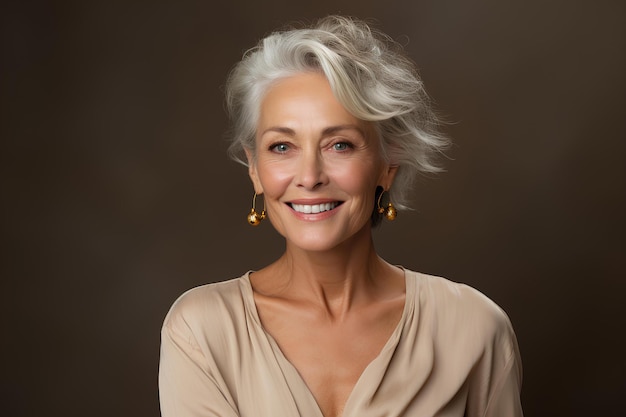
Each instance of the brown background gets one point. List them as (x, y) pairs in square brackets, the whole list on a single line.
[(117, 195)]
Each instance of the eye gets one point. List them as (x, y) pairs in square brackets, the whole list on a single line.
[(341, 146), (279, 147)]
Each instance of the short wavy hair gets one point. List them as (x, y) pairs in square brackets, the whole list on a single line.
[(370, 76)]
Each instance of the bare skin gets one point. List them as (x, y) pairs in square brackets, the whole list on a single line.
[(331, 314), (330, 302)]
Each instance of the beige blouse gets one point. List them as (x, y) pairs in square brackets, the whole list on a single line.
[(453, 353)]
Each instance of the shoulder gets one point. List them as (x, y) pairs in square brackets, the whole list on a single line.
[(462, 311), (206, 308)]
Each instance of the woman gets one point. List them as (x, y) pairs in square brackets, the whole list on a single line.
[(334, 124)]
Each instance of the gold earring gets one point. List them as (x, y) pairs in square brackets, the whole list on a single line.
[(254, 218), (390, 211)]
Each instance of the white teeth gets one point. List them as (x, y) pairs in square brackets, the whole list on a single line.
[(315, 208)]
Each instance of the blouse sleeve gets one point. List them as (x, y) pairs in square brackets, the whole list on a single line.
[(495, 381), (187, 386), (504, 396)]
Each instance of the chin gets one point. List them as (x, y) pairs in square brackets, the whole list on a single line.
[(321, 241), (313, 245)]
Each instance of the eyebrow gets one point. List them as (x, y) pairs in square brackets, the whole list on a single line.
[(326, 132)]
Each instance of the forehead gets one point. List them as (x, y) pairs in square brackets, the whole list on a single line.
[(304, 100)]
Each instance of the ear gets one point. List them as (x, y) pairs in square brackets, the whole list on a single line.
[(252, 172), (387, 177)]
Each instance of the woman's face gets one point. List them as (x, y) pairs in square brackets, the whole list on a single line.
[(316, 165)]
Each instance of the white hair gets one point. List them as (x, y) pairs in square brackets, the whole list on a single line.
[(369, 75)]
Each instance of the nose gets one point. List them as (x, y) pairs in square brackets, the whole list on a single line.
[(310, 170)]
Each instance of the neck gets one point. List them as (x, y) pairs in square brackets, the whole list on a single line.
[(336, 280)]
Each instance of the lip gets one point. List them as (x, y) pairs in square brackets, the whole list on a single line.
[(313, 201), (314, 216)]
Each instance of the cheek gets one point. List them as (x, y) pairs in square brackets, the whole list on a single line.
[(357, 178), (274, 179)]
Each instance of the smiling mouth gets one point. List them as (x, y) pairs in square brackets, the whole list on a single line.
[(314, 208)]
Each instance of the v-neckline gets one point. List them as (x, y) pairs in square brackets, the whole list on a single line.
[(287, 367)]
